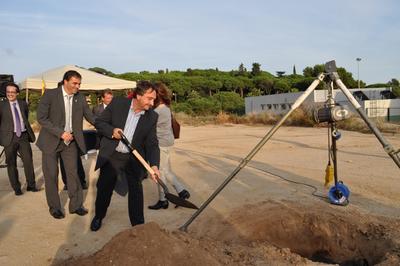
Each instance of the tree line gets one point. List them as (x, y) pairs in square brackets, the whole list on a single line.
[(209, 91)]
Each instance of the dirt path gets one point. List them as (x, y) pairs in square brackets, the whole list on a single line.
[(258, 198)]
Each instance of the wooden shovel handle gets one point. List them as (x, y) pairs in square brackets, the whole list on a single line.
[(144, 163)]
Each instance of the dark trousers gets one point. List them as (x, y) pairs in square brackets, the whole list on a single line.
[(81, 171), (50, 173), (23, 147), (109, 173)]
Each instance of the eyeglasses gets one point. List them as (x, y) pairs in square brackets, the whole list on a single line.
[(11, 92)]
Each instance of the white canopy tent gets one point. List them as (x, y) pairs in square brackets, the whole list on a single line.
[(91, 81)]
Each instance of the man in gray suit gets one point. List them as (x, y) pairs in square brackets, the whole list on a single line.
[(16, 135), (60, 113)]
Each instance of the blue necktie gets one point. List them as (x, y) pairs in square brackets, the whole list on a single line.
[(17, 121)]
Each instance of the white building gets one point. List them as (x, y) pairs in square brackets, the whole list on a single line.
[(373, 100)]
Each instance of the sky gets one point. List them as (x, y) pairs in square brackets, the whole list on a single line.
[(134, 36)]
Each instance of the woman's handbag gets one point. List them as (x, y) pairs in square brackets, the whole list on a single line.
[(176, 128)]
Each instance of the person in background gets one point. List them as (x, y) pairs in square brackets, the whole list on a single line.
[(166, 141), (106, 98), (16, 135)]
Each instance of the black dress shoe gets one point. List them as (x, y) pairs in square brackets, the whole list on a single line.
[(81, 211), (84, 186), (57, 214), (95, 224), (160, 204), (184, 194), (32, 189), (18, 192)]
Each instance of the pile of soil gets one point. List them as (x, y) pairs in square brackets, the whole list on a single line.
[(268, 233)]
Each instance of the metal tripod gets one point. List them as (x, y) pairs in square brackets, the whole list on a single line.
[(332, 76)]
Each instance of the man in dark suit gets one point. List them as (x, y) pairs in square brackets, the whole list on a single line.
[(16, 135), (106, 98), (135, 118), (60, 113)]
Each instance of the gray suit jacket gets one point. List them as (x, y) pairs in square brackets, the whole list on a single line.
[(7, 123), (51, 116)]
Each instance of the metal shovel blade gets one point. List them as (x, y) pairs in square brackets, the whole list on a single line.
[(180, 202), (175, 199), (170, 197)]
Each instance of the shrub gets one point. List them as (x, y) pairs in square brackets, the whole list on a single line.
[(204, 106), (230, 102), (182, 107)]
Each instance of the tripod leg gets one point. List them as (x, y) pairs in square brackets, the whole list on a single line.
[(253, 152), (386, 145)]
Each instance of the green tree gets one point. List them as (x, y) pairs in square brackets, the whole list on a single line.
[(394, 83), (204, 105), (281, 86), (213, 86), (314, 71), (242, 70), (265, 84), (348, 79), (234, 84), (247, 84), (180, 87), (308, 72), (303, 83), (254, 92), (256, 69), (230, 102), (189, 72)]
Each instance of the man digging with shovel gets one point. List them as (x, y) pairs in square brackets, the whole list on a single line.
[(137, 121)]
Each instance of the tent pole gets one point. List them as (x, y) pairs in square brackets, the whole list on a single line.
[(26, 95)]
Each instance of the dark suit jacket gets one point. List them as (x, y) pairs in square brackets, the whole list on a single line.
[(144, 139), (7, 123), (97, 110), (51, 116)]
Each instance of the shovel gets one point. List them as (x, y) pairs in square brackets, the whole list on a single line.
[(170, 197)]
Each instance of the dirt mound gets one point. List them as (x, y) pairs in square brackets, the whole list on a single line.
[(268, 233), (321, 233), (148, 245)]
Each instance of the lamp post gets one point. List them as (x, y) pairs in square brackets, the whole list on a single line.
[(358, 71)]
